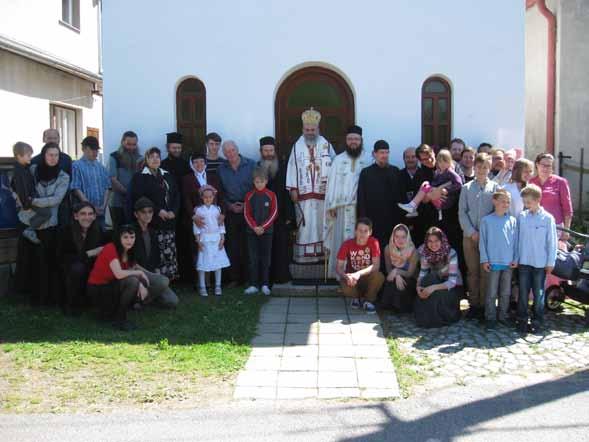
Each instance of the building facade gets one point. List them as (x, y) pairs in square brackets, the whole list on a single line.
[(406, 71), (50, 72), (557, 86)]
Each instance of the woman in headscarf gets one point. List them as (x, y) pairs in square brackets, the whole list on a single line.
[(400, 257), (439, 284), (159, 187), (192, 183), (79, 244), (37, 270)]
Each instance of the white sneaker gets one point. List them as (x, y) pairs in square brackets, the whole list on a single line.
[(266, 290), (218, 291), (203, 292), (407, 207), (251, 290), (412, 215)]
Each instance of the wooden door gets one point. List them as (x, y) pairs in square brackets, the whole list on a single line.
[(320, 88)]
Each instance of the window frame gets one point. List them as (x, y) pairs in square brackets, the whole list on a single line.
[(53, 107), (199, 125), (435, 122), (72, 21)]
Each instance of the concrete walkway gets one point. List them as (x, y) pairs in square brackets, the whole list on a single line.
[(317, 348)]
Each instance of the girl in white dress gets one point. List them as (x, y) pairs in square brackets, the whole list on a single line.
[(210, 240)]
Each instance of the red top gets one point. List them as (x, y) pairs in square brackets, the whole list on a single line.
[(101, 272), (261, 208), (556, 197), (358, 257)]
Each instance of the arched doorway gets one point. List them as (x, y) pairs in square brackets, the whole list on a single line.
[(324, 90), (191, 114)]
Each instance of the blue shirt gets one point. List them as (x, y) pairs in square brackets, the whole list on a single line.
[(91, 177), (537, 239), (498, 239), (236, 183)]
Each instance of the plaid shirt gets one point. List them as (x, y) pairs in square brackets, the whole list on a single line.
[(90, 177)]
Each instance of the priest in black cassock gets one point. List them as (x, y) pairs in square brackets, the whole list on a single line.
[(276, 170), (379, 194), (179, 167)]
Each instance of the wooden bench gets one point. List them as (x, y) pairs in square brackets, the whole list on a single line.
[(8, 252)]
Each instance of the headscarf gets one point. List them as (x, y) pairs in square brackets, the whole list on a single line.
[(439, 257), (201, 177), (44, 171), (399, 257)]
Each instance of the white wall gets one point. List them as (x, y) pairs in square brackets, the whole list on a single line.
[(36, 23), (242, 49), (28, 88)]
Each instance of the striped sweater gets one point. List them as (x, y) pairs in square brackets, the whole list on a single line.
[(450, 271)]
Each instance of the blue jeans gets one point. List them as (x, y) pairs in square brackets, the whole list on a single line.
[(531, 278)]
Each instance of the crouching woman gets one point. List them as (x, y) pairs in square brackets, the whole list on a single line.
[(439, 285), (116, 282)]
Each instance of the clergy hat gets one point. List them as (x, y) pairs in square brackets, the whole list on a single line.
[(173, 137), (354, 130), (91, 142), (381, 145), (142, 203), (267, 140)]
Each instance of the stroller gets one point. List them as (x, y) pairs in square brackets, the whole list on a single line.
[(573, 267)]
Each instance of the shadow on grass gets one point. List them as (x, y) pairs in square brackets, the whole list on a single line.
[(230, 318)]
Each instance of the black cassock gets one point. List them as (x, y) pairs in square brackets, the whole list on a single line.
[(179, 168), (279, 269), (378, 196)]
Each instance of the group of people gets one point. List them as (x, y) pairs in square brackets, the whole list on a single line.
[(119, 235)]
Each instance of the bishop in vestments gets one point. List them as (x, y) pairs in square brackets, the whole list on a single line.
[(306, 179)]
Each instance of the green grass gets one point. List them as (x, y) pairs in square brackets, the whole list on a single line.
[(49, 362), (405, 365)]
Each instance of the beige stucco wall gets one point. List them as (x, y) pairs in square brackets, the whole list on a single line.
[(572, 98), (536, 73), (27, 89)]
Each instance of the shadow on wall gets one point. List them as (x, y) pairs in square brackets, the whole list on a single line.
[(26, 77)]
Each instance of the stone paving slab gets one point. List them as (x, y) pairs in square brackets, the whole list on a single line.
[(315, 348)]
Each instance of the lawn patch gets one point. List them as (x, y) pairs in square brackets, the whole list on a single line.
[(49, 362)]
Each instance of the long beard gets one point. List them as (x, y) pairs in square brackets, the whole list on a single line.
[(129, 159), (270, 166), (311, 139), (354, 153)]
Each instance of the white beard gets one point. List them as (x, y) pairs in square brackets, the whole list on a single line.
[(270, 166)]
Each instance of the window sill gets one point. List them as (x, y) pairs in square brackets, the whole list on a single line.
[(70, 27)]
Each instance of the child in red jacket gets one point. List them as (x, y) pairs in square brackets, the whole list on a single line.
[(260, 212)]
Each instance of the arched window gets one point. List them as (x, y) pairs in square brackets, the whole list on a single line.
[(191, 118), (436, 112), (325, 91)]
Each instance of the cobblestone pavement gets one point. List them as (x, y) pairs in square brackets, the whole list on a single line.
[(465, 352)]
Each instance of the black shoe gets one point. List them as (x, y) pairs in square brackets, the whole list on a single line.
[(536, 328), (509, 323), (490, 325), (522, 327), (473, 313), (125, 326)]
